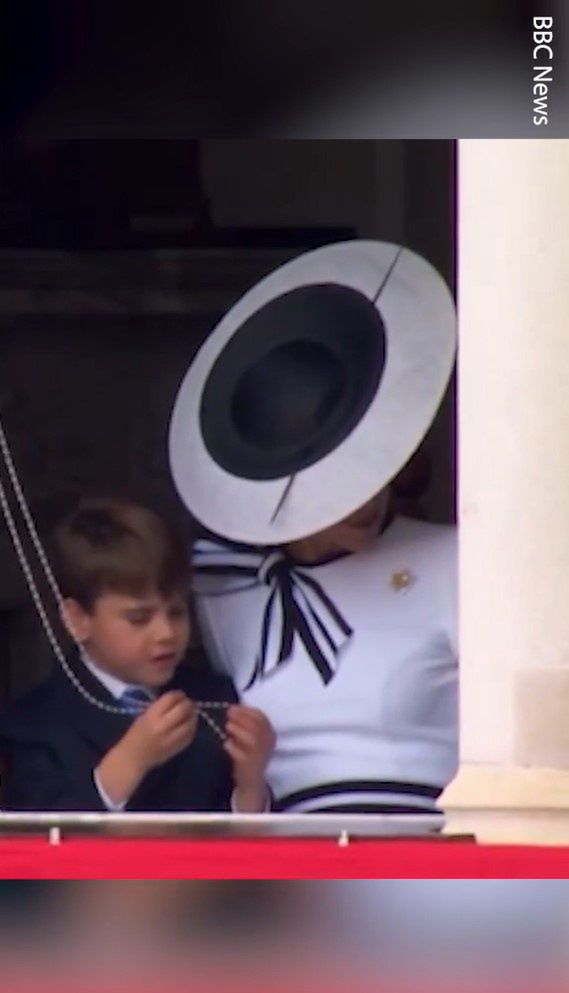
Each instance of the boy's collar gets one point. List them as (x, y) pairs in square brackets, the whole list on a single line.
[(115, 686)]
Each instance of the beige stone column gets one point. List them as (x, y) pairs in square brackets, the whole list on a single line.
[(513, 228)]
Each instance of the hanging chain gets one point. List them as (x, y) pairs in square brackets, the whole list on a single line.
[(202, 705)]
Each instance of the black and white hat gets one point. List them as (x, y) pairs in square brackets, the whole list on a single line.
[(312, 392)]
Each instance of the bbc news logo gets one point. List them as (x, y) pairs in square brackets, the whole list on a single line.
[(542, 72)]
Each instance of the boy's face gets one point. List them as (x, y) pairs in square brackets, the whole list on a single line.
[(140, 640)]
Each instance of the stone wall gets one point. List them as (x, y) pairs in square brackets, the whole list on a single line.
[(93, 348)]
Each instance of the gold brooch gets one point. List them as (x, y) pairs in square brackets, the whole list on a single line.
[(401, 580)]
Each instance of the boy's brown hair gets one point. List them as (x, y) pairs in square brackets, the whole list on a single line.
[(114, 546)]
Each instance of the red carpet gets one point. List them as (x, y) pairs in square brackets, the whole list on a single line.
[(264, 858)]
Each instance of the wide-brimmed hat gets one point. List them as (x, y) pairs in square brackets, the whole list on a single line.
[(312, 392)]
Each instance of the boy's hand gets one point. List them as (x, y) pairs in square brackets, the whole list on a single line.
[(250, 741), (165, 728)]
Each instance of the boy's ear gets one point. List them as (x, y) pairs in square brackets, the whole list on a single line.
[(76, 620)]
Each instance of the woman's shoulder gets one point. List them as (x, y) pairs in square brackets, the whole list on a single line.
[(443, 537)]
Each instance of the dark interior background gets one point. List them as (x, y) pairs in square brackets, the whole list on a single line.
[(305, 68), (116, 260)]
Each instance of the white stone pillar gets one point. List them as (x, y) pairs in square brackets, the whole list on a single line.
[(513, 291)]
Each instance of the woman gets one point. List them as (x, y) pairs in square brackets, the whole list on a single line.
[(331, 614)]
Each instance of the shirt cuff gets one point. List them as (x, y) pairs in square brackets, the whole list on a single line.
[(112, 807), (266, 809)]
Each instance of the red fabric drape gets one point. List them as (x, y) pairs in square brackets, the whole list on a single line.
[(269, 858)]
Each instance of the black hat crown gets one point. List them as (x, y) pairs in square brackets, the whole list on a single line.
[(293, 382)]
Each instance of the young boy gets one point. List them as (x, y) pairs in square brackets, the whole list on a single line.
[(124, 581)]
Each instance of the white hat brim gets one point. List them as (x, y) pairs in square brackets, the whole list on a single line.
[(418, 314)]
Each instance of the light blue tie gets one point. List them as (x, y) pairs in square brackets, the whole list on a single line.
[(135, 699)]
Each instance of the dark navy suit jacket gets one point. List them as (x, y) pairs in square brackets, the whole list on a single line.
[(52, 740)]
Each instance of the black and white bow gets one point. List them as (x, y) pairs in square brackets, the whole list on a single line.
[(297, 607)]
